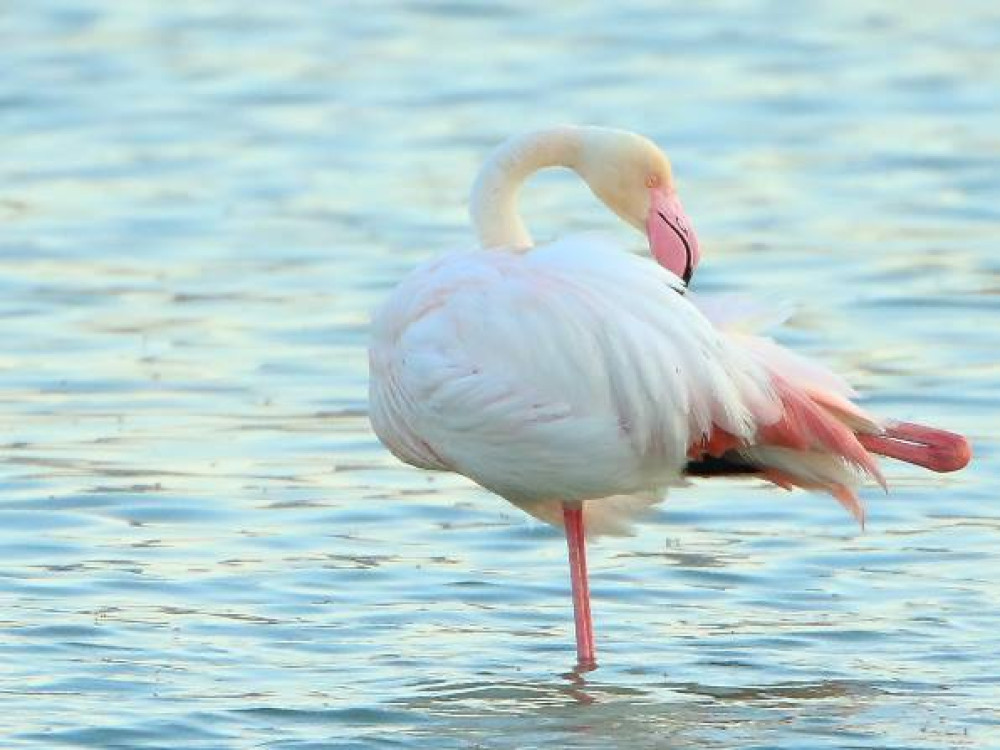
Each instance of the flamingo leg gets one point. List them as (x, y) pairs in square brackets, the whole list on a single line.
[(577, 543)]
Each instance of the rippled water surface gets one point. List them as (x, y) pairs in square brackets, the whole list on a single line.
[(204, 546)]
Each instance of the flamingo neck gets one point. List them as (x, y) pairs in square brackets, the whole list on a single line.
[(493, 203)]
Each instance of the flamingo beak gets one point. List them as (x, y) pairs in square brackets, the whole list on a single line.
[(672, 239)]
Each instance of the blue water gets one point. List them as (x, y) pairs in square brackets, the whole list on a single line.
[(202, 545)]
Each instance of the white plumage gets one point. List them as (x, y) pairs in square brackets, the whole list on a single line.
[(575, 371), (579, 381)]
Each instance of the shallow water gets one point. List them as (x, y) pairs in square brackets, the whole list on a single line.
[(203, 545)]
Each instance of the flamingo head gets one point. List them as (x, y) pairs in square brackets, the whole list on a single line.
[(633, 177)]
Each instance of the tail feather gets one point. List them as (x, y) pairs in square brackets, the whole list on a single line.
[(810, 470), (806, 426), (813, 445), (842, 493), (822, 440), (852, 415)]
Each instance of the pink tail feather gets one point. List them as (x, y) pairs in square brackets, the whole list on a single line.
[(805, 425), (817, 426), (843, 494)]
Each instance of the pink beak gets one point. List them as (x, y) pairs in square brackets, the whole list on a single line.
[(672, 240)]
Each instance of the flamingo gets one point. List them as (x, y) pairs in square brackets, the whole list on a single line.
[(580, 381)]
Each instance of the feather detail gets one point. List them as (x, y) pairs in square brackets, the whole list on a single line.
[(614, 515), (842, 493), (806, 426), (714, 444)]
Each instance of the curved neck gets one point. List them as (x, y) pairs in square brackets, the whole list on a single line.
[(493, 203)]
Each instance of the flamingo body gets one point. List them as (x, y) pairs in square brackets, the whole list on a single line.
[(573, 372), (580, 381)]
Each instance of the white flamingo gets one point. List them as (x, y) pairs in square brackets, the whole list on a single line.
[(579, 381)]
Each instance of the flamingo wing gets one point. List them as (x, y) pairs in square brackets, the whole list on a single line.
[(571, 372)]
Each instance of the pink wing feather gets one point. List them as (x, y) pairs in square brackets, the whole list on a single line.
[(822, 440)]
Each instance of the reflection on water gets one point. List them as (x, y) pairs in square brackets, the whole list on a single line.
[(203, 544)]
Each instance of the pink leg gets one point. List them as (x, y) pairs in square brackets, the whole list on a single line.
[(575, 540), (933, 449)]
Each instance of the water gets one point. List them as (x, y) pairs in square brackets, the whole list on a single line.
[(203, 546)]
